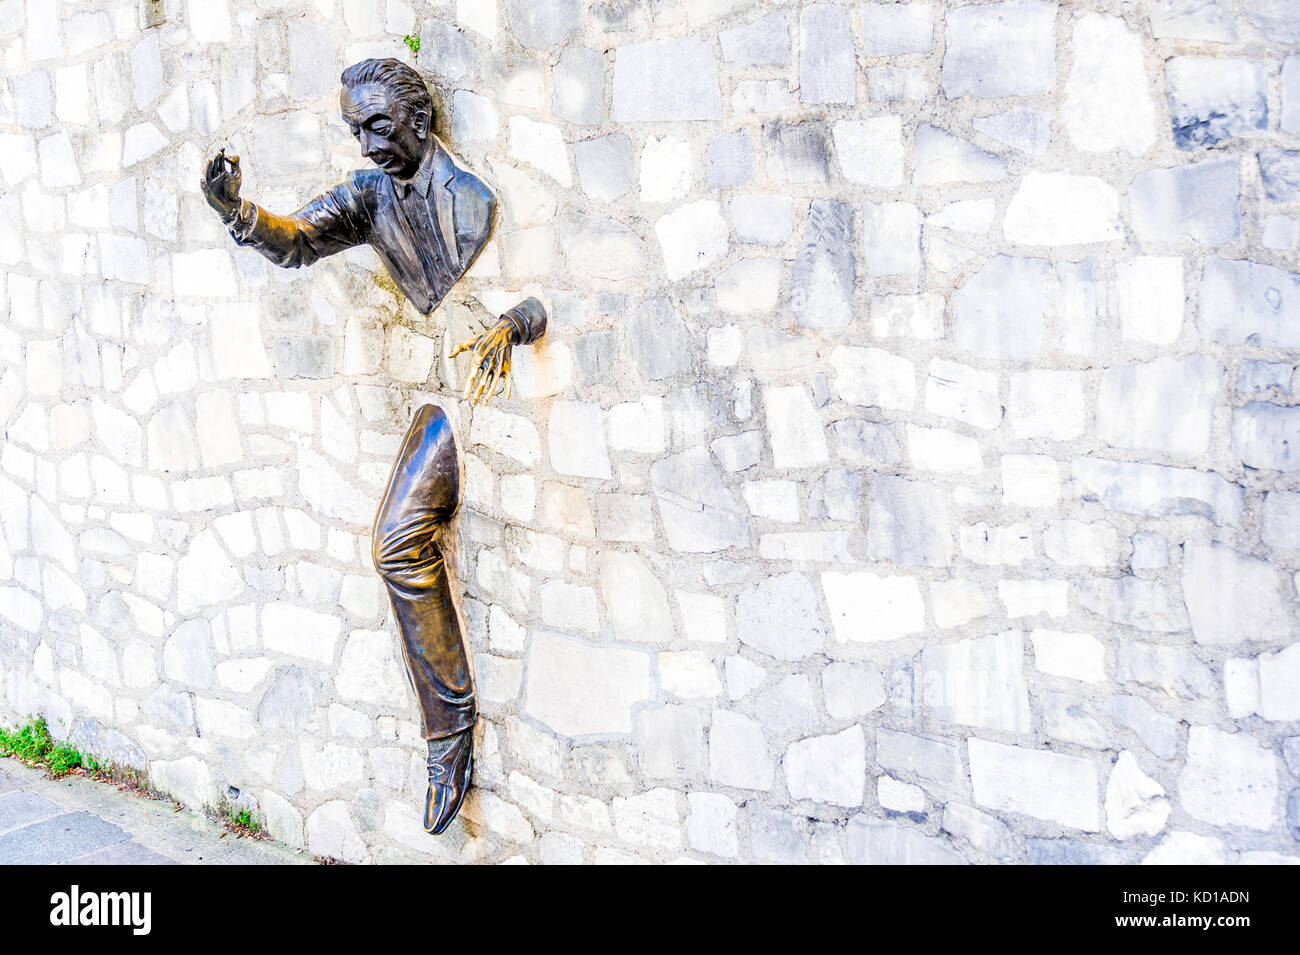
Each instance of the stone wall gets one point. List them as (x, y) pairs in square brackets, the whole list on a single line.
[(909, 472)]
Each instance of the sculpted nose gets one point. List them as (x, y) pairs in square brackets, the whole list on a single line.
[(367, 144)]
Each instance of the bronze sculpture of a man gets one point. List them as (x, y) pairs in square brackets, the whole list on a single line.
[(428, 219)]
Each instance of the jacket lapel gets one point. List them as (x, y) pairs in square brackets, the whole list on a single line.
[(445, 203)]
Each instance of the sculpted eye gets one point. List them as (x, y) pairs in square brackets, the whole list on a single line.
[(382, 128)]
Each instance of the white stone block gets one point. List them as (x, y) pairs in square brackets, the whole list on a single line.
[(1038, 783), (1078, 656), (872, 376), (580, 690), (1150, 298), (978, 681), (959, 391), (794, 428), (866, 608), (1229, 779), (828, 769), (692, 237)]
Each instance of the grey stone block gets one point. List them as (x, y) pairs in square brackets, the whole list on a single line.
[(288, 703), (765, 42), (579, 79), (1158, 732), (1212, 99), (597, 356), (787, 708), (446, 51), (1290, 119), (1000, 311), (539, 24), (775, 836), (1193, 20), (930, 758), (604, 166), (892, 29), (1073, 852), (1277, 20), (1029, 130), (907, 523), (827, 67), (870, 842), (821, 295), (730, 159), (778, 616), (306, 356), (1267, 436), (1000, 49), (796, 152), (1279, 169), (835, 496), (665, 80), (1257, 376), (867, 442), (700, 514), (1176, 670), (1200, 201), (658, 341), (1244, 302)]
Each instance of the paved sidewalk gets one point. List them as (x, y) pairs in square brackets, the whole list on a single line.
[(77, 820)]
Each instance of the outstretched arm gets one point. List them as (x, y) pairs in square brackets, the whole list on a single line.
[(328, 224), (491, 351)]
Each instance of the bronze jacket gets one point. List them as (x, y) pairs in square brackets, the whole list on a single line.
[(428, 230)]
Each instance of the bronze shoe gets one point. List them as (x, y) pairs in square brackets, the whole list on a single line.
[(450, 761)]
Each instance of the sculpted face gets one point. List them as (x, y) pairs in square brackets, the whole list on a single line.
[(391, 139)]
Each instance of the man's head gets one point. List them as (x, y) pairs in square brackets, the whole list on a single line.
[(390, 111)]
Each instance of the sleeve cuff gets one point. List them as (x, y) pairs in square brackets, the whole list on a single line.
[(528, 319)]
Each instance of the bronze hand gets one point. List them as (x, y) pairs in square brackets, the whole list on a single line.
[(220, 184), (491, 352)]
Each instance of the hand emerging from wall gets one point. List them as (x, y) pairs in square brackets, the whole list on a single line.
[(491, 351)]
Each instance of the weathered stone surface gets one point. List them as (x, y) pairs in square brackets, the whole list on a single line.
[(738, 753), (188, 780), (1192, 20), (794, 428), (1156, 490), (763, 42), (1267, 436), (779, 617), (871, 842), (1200, 201), (892, 29), (1214, 98), (827, 67), (1037, 783), (829, 769), (665, 80), (979, 829), (541, 24), (579, 690), (1165, 405), (999, 312), (822, 291), (870, 151), (1107, 103), (1000, 49), (796, 152), (891, 238), (1028, 130), (1175, 670), (636, 600), (934, 759), (1247, 302), (940, 157), (700, 514), (1159, 733), (1232, 597), (956, 678), (852, 689), (1229, 779)]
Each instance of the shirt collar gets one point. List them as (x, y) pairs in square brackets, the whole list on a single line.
[(424, 175)]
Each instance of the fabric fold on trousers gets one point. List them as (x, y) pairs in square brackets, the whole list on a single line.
[(422, 496)]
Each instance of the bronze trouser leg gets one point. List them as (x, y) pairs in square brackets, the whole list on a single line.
[(421, 496)]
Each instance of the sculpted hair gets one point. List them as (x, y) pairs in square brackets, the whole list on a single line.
[(406, 85)]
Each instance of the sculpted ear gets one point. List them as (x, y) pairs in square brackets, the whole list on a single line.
[(420, 123)]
